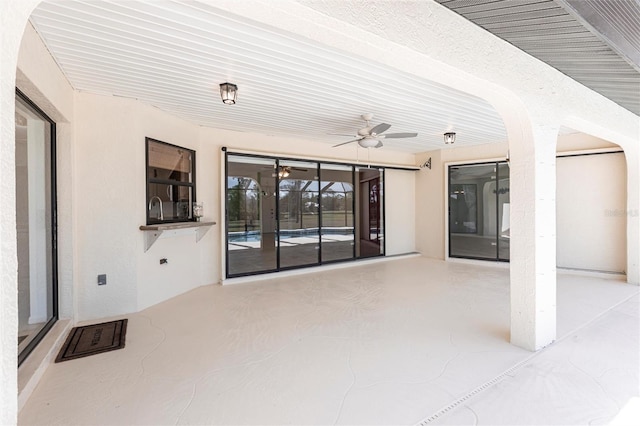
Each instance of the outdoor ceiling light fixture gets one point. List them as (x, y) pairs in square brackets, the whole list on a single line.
[(449, 137), (229, 93)]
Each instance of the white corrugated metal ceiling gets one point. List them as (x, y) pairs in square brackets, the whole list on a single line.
[(173, 55), (595, 42)]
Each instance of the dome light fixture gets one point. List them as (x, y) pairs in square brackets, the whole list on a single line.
[(449, 137), (368, 142), (228, 93)]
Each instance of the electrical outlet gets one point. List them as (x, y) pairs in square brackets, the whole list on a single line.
[(102, 279)]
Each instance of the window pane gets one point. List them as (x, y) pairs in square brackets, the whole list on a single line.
[(504, 224), (472, 211), (251, 219), (370, 205), (169, 202), (298, 208), (338, 236), (169, 162)]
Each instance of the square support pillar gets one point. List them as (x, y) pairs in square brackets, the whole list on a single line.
[(633, 215), (533, 238)]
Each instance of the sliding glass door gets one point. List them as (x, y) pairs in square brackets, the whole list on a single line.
[(35, 224), (479, 211), (371, 241), (251, 215), (337, 202), (298, 208), (285, 213)]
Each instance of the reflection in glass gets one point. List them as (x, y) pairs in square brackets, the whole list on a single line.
[(472, 218), (479, 211), (371, 227), (504, 223), (251, 215), (298, 214), (34, 226), (169, 202), (170, 184), (336, 188)]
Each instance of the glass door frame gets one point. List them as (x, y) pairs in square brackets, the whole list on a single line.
[(278, 159), (450, 167), (54, 230)]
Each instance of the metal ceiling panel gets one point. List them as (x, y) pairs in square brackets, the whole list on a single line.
[(617, 22), (174, 54), (597, 50)]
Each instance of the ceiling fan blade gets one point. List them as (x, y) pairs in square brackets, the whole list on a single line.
[(378, 145), (344, 143), (341, 134), (399, 135), (382, 127)]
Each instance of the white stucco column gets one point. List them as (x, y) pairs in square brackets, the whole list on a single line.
[(13, 18), (533, 235), (633, 215)]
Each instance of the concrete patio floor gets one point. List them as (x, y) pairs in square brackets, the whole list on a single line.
[(396, 342)]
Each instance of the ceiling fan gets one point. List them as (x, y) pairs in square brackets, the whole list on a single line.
[(371, 137)]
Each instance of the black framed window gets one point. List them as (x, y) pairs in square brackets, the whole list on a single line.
[(171, 182), (337, 202), (479, 225), (36, 224)]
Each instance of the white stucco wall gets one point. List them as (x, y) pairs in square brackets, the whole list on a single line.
[(13, 18), (110, 183)]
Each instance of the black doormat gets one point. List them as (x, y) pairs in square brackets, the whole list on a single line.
[(93, 339)]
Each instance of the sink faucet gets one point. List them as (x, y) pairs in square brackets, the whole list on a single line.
[(155, 197)]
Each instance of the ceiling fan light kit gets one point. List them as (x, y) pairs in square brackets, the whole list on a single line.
[(370, 137), (369, 142), (228, 93)]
